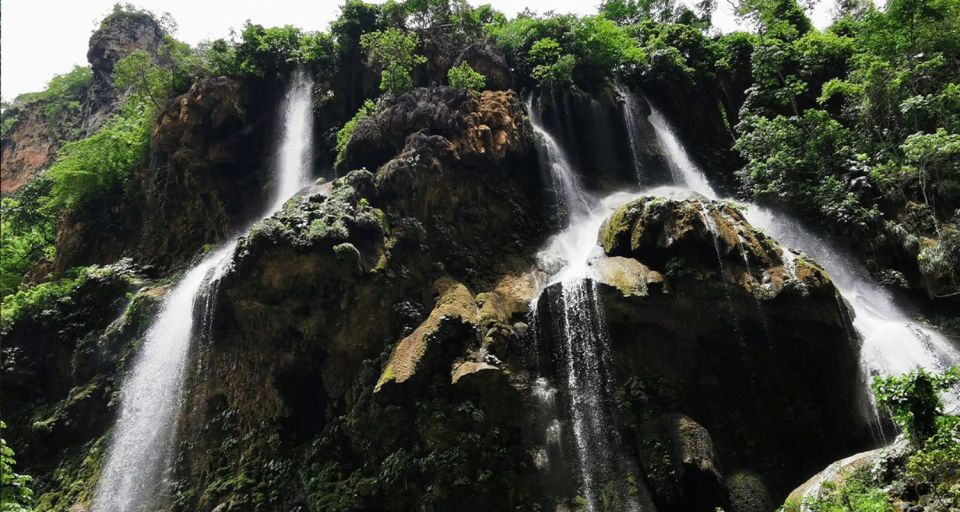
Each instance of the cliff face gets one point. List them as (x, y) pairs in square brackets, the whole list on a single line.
[(27, 148), (31, 143), (375, 333)]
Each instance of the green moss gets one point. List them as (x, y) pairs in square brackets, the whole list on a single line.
[(345, 133), (75, 479), (619, 224)]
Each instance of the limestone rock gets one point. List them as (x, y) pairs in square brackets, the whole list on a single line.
[(472, 123), (453, 321), (682, 464), (838, 471), (119, 35), (627, 275), (747, 492), (489, 61), (205, 173), (700, 236)]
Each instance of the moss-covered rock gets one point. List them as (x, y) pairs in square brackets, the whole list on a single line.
[(747, 492), (700, 236), (681, 464), (454, 320)]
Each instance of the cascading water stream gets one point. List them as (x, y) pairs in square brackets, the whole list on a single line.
[(137, 459), (683, 170), (891, 343), (580, 328)]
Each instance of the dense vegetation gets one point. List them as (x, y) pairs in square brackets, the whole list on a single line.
[(855, 128)]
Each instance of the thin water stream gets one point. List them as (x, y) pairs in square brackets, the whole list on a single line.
[(138, 457)]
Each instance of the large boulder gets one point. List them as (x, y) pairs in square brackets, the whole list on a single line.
[(489, 61), (740, 333), (488, 123), (708, 317), (447, 330)]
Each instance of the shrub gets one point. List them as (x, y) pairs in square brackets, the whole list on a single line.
[(463, 76), (91, 168), (41, 297)]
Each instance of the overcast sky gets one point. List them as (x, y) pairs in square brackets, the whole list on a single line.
[(42, 38)]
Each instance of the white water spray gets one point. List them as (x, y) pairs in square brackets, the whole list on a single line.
[(583, 343), (137, 460)]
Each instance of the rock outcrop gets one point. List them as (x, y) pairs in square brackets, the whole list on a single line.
[(119, 35), (211, 163), (30, 144), (350, 316)]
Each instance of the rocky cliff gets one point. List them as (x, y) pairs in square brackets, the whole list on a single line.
[(396, 336), (38, 127)]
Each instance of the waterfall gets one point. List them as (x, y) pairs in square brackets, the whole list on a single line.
[(142, 442), (632, 121), (683, 170), (891, 343), (570, 198), (580, 328)]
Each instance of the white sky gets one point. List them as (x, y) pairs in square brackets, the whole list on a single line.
[(42, 38)]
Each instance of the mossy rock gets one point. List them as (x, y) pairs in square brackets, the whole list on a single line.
[(454, 320)]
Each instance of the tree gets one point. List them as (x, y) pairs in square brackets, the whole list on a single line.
[(777, 18), (552, 66), (138, 72), (392, 52), (463, 76)]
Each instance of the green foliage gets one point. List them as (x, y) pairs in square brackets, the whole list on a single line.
[(560, 50), (913, 400), (344, 134), (41, 297), (859, 492), (90, 169), (60, 102), (392, 52), (551, 66), (144, 78), (15, 492), (778, 18), (802, 162), (128, 13), (26, 233), (937, 465), (463, 76), (632, 12), (277, 49)]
